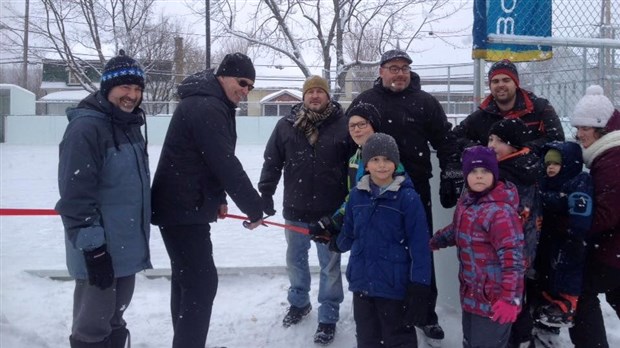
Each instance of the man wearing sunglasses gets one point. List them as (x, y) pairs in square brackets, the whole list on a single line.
[(197, 169), (415, 118), (311, 147)]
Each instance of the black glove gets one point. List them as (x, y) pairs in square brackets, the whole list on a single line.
[(451, 185), (333, 246), (99, 267), (268, 205), (323, 230), (416, 304)]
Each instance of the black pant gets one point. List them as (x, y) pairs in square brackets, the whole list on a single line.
[(193, 285), (379, 322), (589, 329), (423, 188)]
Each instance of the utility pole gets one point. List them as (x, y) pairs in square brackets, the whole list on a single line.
[(24, 79), (208, 33)]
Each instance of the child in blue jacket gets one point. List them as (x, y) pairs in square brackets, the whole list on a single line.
[(566, 192), (389, 270)]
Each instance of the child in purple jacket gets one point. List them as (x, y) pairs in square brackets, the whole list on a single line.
[(489, 238)]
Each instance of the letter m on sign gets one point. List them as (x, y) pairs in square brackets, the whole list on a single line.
[(511, 17)]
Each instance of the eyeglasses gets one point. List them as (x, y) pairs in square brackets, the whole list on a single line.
[(359, 125), (395, 69), (244, 84)]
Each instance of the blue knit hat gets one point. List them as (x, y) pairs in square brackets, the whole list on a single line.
[(121, 70)]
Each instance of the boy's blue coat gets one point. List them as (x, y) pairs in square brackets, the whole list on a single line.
[(387, 235)]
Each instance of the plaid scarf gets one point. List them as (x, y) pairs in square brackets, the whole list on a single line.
[(307, 121)]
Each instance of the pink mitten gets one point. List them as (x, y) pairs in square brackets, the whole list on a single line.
[(504, 312)]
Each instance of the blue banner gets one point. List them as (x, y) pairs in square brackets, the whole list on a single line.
[(512, 17)]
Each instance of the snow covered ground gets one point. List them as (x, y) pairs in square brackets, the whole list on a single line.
[(36, 312)]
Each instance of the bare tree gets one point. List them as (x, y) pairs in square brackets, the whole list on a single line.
[(300, 29), (83, 32)]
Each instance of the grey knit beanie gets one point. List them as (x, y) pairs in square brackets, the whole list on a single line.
[(380, 144)]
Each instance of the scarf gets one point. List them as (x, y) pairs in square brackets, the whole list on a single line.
[(308, 121)]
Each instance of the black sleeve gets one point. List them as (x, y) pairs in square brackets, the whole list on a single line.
[(212, 128)]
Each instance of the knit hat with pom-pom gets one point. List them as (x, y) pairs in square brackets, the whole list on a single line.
[(593, 110)]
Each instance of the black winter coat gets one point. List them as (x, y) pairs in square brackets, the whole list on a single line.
[(198, 166), (315, 177), (537, 113), (414, 118)]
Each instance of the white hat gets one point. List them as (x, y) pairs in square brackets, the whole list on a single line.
[(593, 110)]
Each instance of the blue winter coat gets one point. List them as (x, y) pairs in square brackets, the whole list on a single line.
[(104, 184), (387, 235)]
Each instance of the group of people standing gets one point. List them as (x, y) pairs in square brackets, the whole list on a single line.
[(358, 181)]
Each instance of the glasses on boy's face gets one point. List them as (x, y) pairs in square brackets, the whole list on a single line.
[(359, 125), (244, 84), (396, 69)]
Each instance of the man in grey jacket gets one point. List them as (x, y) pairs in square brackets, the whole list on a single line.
[(103, 179)]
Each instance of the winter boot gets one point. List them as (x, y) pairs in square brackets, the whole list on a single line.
[(324, 334), (559, 312), (81, 344), (295, 315), (119, 337), (433, 334)]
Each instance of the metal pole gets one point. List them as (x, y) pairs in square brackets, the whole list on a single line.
[(24, 79), (208, 33)]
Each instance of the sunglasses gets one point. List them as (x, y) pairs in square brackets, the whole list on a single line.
[(244, 84)]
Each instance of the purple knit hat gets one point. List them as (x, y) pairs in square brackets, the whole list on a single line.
[(480, 156)]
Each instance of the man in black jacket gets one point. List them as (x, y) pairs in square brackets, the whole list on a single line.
[(506, 101), (509, 101), (311, 146), (196, 170), (415, 118)]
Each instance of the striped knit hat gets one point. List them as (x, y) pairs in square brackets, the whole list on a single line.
[(121, 70)]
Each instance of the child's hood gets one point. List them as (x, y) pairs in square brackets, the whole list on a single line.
[(572, 159)]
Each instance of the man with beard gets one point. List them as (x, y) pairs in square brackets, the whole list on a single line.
[(507, 101), (542, 125), (311, 146), (105, 203), (414, 118)]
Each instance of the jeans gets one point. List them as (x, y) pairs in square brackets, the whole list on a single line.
[(330, 281)]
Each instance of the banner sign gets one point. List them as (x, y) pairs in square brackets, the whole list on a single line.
[(511, 17)]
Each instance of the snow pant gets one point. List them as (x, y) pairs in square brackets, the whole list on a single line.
[(567, 266), (589, 330), (193, 284), (98, 314), (423, 188), (482, 332), (379, 322), (331, 293)]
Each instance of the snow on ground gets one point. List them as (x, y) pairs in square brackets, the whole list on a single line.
[(36, 312)]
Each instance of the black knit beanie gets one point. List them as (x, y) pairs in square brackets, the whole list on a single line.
[(121, 70), (512, 131), (237, 65), (367, 111), (380, 144)]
